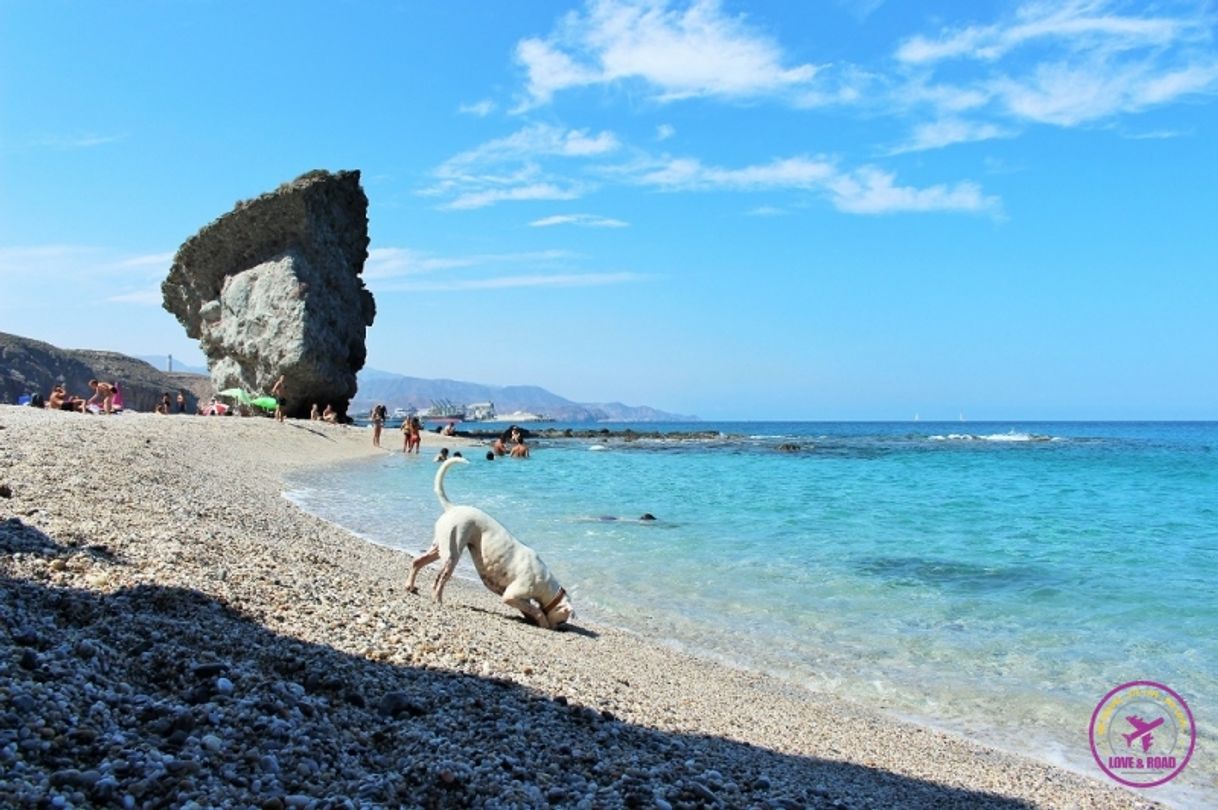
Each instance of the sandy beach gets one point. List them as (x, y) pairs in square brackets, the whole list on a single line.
[(178, 634)]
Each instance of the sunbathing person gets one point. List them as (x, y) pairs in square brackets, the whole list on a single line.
[(329, 414), (61, 400)]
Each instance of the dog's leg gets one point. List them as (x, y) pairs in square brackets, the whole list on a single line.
[(530, 611), (454, 543), (446, 572), (419, 563)]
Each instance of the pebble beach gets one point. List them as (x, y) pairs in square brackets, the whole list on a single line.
[(176, 633)]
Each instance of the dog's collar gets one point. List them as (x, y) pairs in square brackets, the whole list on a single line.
[(553, 603)]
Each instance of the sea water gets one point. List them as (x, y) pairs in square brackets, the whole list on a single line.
[(992, 579)]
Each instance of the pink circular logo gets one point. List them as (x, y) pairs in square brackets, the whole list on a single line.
[(1142, 734)]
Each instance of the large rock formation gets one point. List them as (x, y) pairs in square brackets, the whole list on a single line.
[(273, 287)]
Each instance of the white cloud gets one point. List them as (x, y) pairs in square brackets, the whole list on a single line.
[(83, 262), (45, 259), (1078, 24), (395, 269), (691, 174), (1157, 135), (528, 143), (1068, 95), (871, 191), (480, 109), (392, 262), (1060, 63), (948, 131), (695, 50), (584, 220), (766, 211), (510, 282), (861, 8), (534, 191), (83, 275), (158, 260), (85, 140), (866, 190), (148, 297), (665, 131), (509, 169)]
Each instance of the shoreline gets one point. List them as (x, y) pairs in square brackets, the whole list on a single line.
[(168, 561)]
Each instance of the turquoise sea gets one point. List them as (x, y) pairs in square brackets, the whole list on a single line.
[(994, 579)]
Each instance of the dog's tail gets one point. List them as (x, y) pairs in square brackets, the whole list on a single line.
[(445, 504)]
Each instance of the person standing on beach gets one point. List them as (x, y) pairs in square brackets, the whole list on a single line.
[(103, 394), (277, 391), (378, 422), (413, 428)]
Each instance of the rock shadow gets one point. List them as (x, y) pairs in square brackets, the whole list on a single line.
[(168, 695), (17, 537)]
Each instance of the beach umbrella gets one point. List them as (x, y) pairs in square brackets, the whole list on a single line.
[(265, 403), (236, 393)]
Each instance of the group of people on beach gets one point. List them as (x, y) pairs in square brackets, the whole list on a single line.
[(519, 448), (328, 415), (105, 399), (412, 430), (166, 405)]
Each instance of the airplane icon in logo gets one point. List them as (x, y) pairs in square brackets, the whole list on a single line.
[(1141, 729)]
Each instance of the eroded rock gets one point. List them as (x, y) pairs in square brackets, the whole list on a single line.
[(273, 287)]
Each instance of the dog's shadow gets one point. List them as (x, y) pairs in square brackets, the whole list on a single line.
[(566, 627)]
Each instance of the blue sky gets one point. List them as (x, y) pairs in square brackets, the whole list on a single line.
[(850, 209)]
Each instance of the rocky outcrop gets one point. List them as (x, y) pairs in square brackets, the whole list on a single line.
[(273, 287), (33, 367)]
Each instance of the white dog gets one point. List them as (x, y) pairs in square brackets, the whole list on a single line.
[(506, 566)]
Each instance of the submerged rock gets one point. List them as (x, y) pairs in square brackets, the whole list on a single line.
[(273, 287)]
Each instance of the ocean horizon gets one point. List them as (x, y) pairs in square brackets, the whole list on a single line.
[(993, 579)]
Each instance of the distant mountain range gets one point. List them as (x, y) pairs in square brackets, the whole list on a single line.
[(400, 391)]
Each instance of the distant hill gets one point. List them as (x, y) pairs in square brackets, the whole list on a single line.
[(399, 391)]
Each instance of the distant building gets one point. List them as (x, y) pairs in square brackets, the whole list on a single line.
[(480, 412)]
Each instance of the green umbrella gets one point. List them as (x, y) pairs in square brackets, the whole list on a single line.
[(236, 393), (265, 403)]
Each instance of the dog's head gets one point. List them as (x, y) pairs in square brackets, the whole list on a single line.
[(564, 611)]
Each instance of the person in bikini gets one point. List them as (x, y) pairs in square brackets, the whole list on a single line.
[(378, 422), (103, 394)]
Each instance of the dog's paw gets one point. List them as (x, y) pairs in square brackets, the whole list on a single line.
[(412, 589)]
